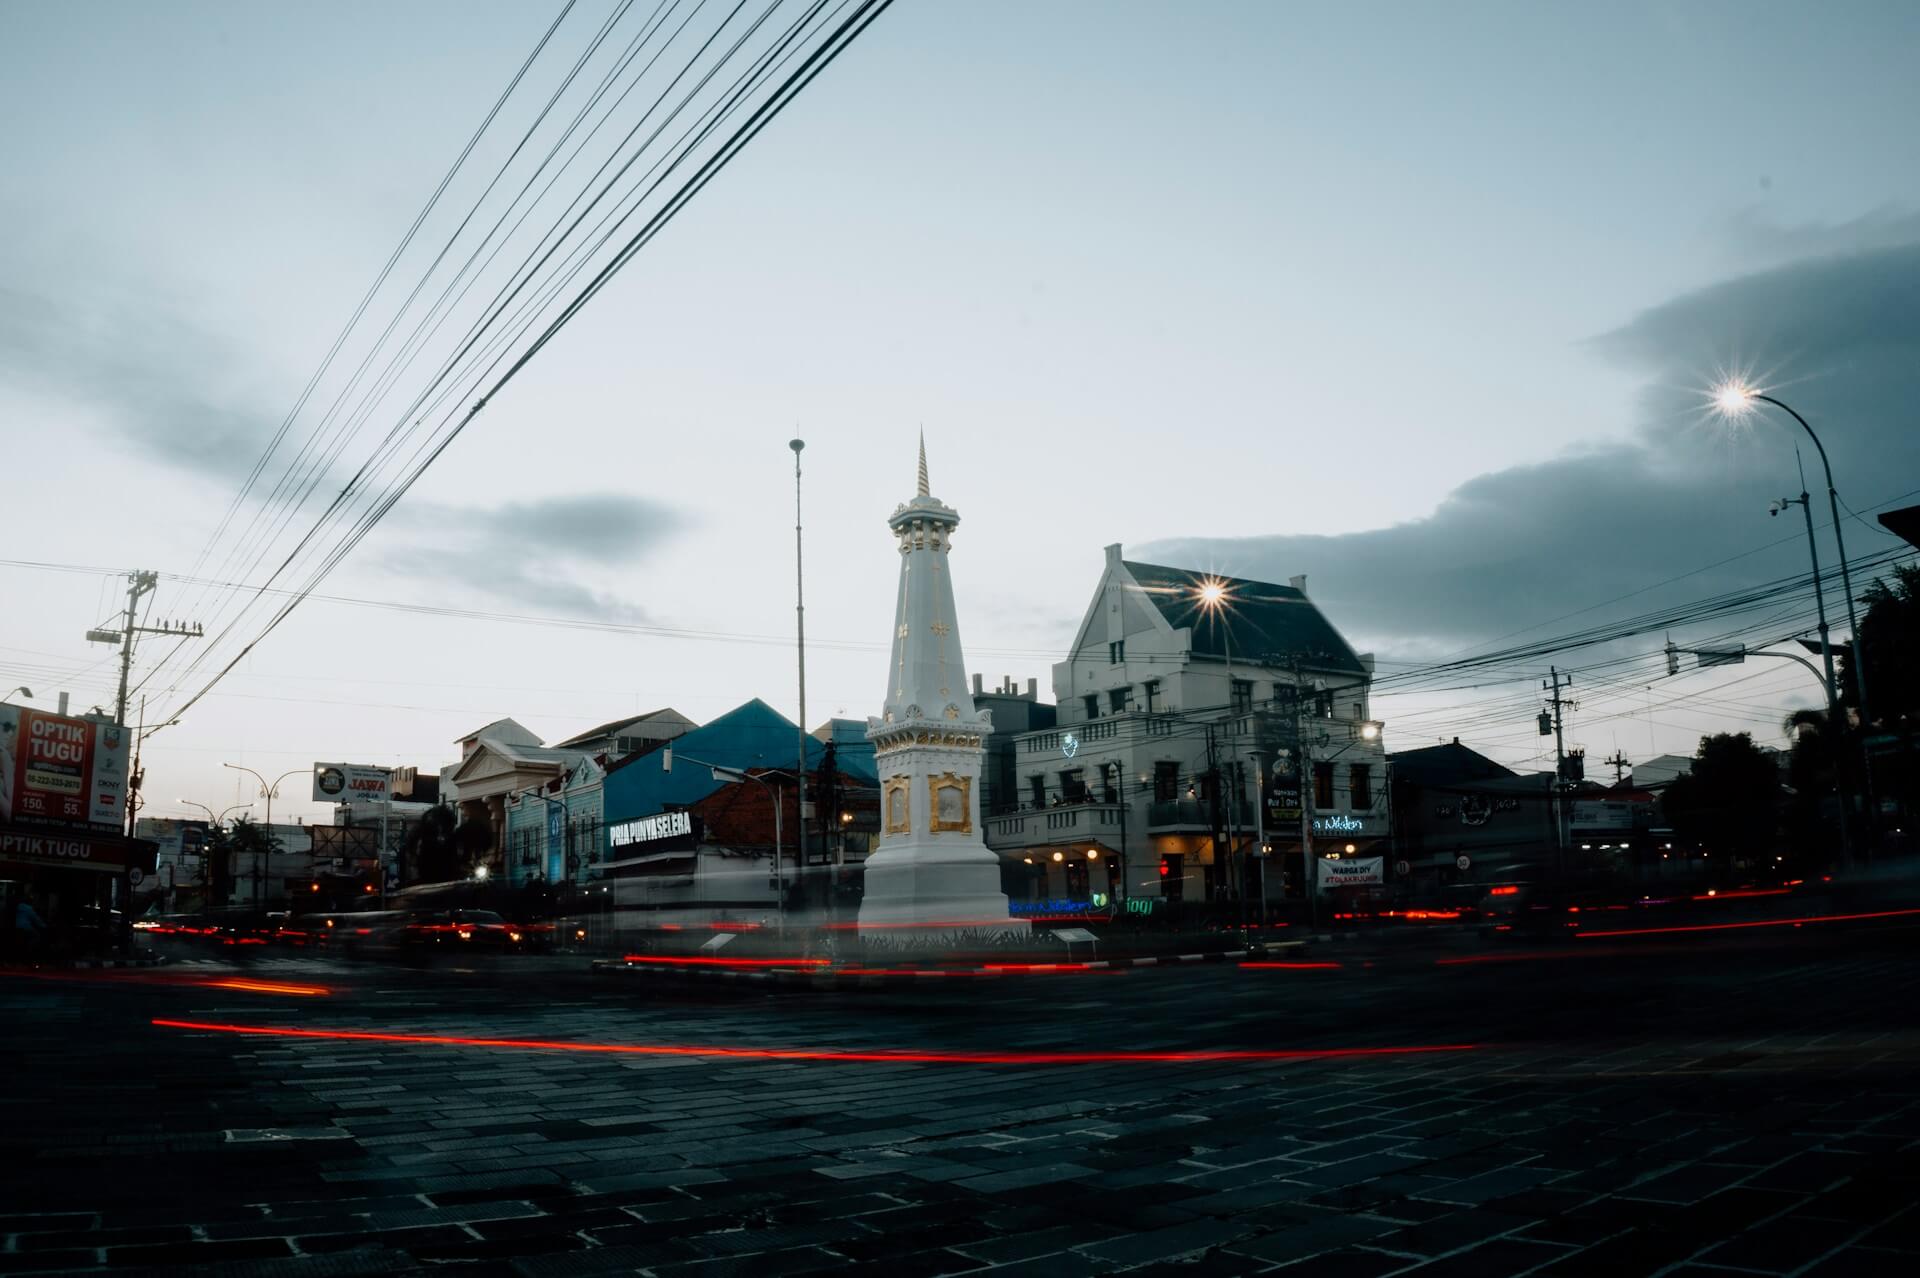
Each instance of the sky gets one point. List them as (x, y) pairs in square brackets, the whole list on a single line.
[(1420, 301)]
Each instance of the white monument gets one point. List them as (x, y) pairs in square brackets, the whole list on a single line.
[(933, 869)]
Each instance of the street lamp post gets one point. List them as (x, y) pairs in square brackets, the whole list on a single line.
[(800, 653), (269, 792), (1736, 399), (217, 822), (23, 690), (723, 773)]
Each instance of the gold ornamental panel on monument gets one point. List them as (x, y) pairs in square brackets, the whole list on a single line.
[(950, 802)]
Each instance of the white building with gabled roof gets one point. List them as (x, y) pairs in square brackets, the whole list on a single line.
[(1179, 681)]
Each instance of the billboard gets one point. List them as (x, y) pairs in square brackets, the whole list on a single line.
[(57, 770), (1283, 790), (1601, 814), (1363, 871), (349, 783)]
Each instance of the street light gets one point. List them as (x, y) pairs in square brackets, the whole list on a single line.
[(723, 773), (23, 690), (269, 792), (800, 655), (1737, 399)]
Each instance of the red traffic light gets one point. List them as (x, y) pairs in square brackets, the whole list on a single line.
[(1163, 868)]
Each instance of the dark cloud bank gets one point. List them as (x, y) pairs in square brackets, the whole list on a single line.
[(1838, 333), (155, 379)]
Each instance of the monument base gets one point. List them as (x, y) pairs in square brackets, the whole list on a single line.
[(925, 891)]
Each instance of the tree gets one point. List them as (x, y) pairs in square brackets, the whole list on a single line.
[(1817, 771), (1728, 804), (1890, 630), (249, 847), (431, 851)]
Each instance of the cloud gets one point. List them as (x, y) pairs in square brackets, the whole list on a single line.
[(1835, 335), (533, 553), (147, 372), (1758, 240)]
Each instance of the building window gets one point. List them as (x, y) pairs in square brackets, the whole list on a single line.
[(1073, 786), (1166, 782), (1323, 786), (1241, 697), (1109, 782), (1116, 652), (1039, 785), (1120, 699), (1153, 695), (1323, 704), (1360, 787), (1092, 702)]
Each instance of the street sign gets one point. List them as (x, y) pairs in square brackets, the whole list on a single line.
[(1463, 861), (1402, 869)]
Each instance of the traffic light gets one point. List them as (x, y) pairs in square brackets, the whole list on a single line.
[(1546, 724), (1164, 867)]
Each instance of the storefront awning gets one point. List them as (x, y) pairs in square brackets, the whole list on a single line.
[(105, 853)]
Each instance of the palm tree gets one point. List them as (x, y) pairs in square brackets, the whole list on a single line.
[(1820, 754), (431, 853)]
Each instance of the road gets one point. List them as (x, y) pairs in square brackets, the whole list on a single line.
[(1743, 1102)]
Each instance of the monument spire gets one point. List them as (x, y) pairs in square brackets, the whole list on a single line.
[(933, 868)]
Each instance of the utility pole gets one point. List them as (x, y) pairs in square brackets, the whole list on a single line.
[(1619, 765), (800, 647), (1560, 768), (1304, 761), (1213, 803), (139, 585)]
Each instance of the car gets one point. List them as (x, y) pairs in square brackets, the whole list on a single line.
[(467, 929)]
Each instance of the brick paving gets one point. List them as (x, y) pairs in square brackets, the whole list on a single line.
[(1748, 1106)]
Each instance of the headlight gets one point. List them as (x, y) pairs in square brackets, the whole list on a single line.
[(513, 936)]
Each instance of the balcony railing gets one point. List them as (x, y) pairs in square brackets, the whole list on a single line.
[(1068, 823), (1197, 814)]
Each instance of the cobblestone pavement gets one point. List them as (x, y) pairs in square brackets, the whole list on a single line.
[(1746, 1104)]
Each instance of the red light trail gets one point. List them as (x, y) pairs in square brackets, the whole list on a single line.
[(685, 960), (878, 1056), (1725, 927), (1293, 967)]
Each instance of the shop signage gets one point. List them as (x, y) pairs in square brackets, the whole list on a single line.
[(56, 770), (79, 850), (348, 783), (1476, 809), (1368, 826), (1026, 909), (1601, 815), (1359, 872), (659, 828), (1283, 791)]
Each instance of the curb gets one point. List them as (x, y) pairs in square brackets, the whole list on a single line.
[(86, 964)]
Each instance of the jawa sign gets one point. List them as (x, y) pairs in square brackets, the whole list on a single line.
[(56, 770)]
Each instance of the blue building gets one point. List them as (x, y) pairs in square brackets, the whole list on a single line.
[(683, 843)]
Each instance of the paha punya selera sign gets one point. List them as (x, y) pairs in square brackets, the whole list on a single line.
[(61, 771), (663, 831)]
